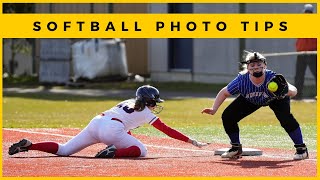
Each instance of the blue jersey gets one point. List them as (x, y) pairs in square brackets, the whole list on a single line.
[(256, 94)]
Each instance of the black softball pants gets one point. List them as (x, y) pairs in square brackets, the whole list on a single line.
[(241, 108)]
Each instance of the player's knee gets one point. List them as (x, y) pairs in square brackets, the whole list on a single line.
[(63, 151), (228, 118), (225, 116)]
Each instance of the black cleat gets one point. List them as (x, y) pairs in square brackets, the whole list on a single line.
[(301, 152), (234, 152), (20, 146), (108, 152)]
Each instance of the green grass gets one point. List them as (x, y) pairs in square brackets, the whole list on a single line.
[(33, 82), (261, 129)]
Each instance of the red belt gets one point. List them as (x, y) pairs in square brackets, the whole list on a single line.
[(114, 119)]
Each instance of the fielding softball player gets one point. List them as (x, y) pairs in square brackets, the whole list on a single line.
[(112, 128), (251, 86)]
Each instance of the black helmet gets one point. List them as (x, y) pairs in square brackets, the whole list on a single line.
[(254, 56), (149, 95)]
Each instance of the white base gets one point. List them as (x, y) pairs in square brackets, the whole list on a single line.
[(245, 151)]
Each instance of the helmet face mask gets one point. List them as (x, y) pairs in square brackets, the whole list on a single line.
[(156, 109), (148, 96)]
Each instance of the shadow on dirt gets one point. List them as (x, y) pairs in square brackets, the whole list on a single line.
[(272, 164)]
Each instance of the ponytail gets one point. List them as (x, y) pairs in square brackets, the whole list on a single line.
[(139, 105)]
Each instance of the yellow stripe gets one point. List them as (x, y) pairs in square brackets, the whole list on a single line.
[(159, 25)]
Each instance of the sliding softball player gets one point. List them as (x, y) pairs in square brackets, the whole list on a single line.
[(112, 128)]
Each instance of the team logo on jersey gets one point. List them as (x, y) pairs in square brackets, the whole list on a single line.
[(257, 94)]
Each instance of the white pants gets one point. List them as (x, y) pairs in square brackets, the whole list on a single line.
[(101, 129)]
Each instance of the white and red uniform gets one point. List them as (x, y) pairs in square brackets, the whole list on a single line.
[(112, 127)]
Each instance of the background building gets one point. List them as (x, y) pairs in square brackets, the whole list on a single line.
[(190, 60)]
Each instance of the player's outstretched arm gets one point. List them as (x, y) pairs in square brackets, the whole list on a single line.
[(158, 124), (221, 96), (197, 143)]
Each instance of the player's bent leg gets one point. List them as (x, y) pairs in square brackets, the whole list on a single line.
[(112, 152), (126, 146), (235, 112), (113, 133), (234, 152), (281, 109), (129, 146), (77, 143)]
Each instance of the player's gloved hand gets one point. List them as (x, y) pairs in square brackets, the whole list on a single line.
[(197, 143), (283, 88)]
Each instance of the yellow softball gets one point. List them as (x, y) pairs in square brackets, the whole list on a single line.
[(272, 86)]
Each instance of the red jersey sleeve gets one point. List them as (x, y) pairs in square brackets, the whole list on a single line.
[(169, 131)]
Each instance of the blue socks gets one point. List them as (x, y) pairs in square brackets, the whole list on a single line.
[(296, 136)]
